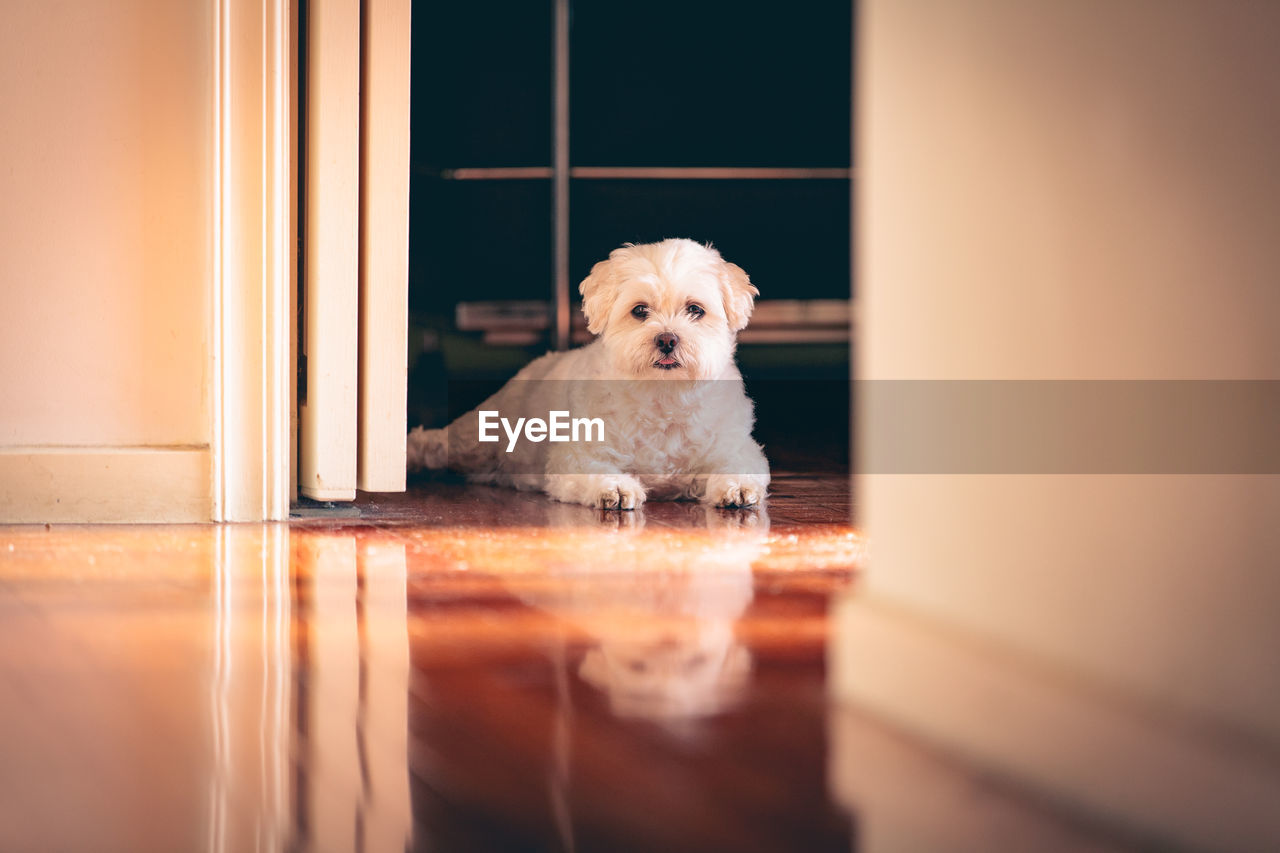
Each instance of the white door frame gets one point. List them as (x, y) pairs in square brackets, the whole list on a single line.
[(253, 328)]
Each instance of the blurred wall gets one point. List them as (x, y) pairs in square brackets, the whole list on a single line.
[(105, 217), (1074, 190)]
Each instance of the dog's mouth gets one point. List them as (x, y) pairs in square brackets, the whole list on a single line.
[(667, 362)]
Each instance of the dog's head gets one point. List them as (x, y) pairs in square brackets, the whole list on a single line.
[(667, 310), (694, 670)]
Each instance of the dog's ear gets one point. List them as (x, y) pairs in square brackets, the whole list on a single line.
[(598, 292), (739, 295)]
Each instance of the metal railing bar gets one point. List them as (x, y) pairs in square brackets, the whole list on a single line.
[(678, 173), (560, 187)]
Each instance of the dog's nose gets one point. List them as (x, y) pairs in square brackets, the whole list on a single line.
[(666, 342)]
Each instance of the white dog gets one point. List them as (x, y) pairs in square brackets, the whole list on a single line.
[(659, 378)]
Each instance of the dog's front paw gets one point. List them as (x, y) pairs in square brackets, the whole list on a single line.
[(619, 493), (602, 491), (730, 491)]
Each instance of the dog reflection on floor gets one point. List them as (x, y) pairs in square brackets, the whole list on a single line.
[(659, 611), (678, 672)]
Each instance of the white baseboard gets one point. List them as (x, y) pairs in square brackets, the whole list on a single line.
[(1088, 749), (105, 484)]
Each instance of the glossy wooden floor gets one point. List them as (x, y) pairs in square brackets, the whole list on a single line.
[(457, 668)]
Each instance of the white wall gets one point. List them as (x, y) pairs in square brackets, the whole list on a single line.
[(1056, 189), (105, 222), (1074, 189)]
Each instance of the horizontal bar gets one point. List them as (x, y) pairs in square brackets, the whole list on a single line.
[(531, 315), (666, 173), (703, 173), (502, 173), (525, 337)]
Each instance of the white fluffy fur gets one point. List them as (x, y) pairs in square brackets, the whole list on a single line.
[(664, 439)]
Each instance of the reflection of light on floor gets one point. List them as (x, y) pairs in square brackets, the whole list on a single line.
[(656, 607), (602, 551), (250, 690), (251, 671), (308, 722), (249, 687)]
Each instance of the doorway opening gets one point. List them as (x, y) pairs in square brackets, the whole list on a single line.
[(548, 135)]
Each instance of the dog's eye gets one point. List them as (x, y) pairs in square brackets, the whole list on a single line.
[(640, 312), (696, 311)]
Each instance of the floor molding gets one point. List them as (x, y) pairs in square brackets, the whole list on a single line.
[(105, 485)]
